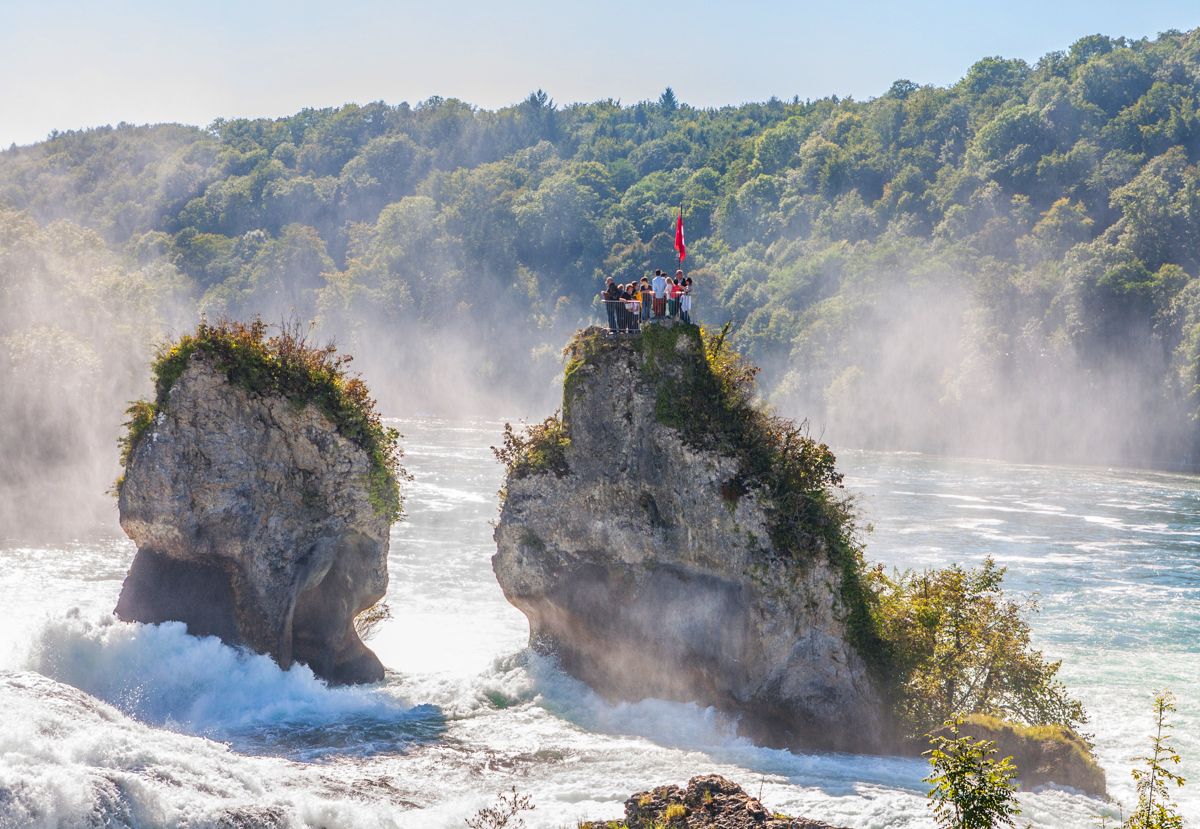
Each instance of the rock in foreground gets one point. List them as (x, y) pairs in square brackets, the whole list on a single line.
[(708, 802), (256, 519), (641, 541)]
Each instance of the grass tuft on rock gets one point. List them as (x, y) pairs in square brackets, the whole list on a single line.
[(283, 364), (1041, 753), (536, 448)]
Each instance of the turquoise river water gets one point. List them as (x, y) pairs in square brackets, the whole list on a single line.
[(104, 724)]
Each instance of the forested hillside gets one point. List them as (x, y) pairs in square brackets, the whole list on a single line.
[(1004, 266)]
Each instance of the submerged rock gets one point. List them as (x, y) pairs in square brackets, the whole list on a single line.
[(255, 521), (646, 558), (708, 802)]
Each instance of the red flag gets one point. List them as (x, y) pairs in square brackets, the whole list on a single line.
[(679, 245)]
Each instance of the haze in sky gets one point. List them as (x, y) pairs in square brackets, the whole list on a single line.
[(67, 65)]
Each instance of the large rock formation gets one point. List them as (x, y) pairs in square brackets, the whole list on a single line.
[(254, 522), (709, 802), (647, 564)]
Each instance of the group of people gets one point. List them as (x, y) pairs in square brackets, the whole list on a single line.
[(653, 298)]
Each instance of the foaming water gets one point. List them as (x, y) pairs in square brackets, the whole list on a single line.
[(160, 675), (103, 723), (71, 760)]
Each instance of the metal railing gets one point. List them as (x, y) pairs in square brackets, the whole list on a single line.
[(627, 316)]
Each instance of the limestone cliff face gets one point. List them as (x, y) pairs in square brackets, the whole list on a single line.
[(648, 577), (253, 523)]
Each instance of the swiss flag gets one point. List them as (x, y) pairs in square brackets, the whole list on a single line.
[(679, 245)]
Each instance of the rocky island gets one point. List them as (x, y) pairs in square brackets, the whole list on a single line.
[(665, 543), (259, 487), (668, 537)]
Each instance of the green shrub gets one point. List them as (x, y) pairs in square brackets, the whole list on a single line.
[(971, 789), (1156, 778), (1041, 753), (141, 416), (536, 448), (284, 364)]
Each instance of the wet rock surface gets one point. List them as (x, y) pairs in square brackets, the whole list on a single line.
[(253, 522), (647, 578), (708, 802)]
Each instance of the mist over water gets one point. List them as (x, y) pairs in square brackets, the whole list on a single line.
[(922, 360), (1003, 268), (154, 728)]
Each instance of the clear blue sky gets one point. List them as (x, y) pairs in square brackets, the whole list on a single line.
[(66, 65)]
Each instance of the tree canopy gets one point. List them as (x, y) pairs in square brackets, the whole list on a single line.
[(1010, 262)]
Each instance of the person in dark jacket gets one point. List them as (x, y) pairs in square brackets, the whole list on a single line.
[(612, 301)]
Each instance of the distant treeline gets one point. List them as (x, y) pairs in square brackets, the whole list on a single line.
[(1007, 265)]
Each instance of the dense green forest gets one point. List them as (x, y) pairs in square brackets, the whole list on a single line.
[(1005, 266)]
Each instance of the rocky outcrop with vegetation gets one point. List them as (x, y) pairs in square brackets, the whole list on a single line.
[(708, 802), (1045, 754), (260, 487), (666, 538)]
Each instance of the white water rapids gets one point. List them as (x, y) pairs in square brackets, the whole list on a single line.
[(113, 725)]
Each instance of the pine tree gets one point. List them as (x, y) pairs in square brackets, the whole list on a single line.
[(667, 102)]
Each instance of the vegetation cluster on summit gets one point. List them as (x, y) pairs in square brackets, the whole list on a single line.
[(287, 365)]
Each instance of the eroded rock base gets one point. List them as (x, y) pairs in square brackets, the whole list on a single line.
[(159, 588)]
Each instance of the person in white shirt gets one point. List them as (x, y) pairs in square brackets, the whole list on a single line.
[(659, 286)]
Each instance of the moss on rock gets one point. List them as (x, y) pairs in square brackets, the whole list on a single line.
[(1042, 753)]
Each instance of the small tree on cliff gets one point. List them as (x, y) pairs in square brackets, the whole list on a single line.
[(1155, 809), (537, 447), (971, 789)]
